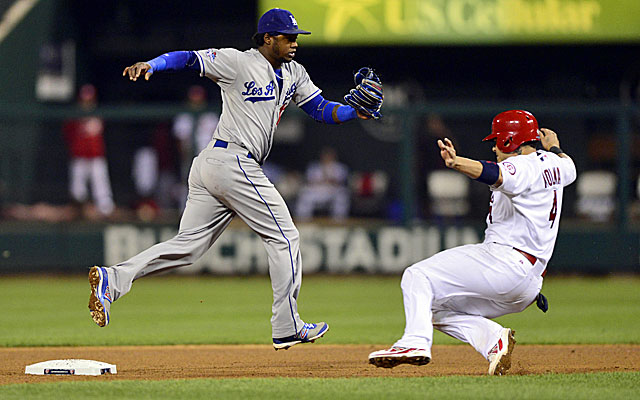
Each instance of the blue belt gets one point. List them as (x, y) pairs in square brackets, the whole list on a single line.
[(224, 145)]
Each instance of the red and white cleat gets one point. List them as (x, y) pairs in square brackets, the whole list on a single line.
[(500, 354), (399, 355)]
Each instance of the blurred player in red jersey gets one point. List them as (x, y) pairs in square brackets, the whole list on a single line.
[(88, 164)]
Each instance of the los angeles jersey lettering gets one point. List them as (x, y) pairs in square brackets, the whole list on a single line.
[(248, 84), (524, 209)]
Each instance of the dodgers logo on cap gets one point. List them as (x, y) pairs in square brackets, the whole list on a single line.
[(278, 20)]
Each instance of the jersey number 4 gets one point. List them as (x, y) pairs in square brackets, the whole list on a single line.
[(554, 209)]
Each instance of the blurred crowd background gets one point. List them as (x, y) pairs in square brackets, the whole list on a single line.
[(78, 141)]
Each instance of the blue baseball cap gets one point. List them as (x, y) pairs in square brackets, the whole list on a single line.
[(280, 21)]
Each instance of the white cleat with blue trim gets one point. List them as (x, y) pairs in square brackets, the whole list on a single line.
[(100, 298), (308, 334)]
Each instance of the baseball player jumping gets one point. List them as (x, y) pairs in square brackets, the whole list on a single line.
[(459, 290), (226, 178)]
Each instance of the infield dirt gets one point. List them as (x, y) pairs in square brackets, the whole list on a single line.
[(306, 361)]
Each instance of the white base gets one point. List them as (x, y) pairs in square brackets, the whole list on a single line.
[(70, 367)]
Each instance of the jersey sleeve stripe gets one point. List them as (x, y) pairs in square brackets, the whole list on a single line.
[(311, 96), (293, 273), (201, 63)]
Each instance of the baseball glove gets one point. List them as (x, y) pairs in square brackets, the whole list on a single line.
[(367, 96)]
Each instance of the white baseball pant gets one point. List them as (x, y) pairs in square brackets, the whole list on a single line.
[(458, 290)]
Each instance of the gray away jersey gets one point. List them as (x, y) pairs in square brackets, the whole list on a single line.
[(252, 105)]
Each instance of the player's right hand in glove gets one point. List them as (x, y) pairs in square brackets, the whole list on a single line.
[(367, 96), (136, 69)]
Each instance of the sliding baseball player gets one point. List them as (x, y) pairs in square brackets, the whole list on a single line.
[(459, 291)]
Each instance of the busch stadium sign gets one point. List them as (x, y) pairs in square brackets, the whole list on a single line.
[(386, 249)]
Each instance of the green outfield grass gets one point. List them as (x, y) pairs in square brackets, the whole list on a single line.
[(577, 386), (48, 311)]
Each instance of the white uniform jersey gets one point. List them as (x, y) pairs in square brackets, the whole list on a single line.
[(525, 210), (252, 103)]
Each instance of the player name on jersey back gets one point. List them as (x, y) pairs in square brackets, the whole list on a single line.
[(551, 176)]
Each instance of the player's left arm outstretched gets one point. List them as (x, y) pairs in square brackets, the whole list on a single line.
[(172, 61), (484, 171), (137, 69)]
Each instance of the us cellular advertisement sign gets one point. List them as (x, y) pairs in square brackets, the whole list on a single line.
[(411, 22)]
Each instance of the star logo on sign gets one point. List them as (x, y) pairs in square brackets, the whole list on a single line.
[(341, 14)]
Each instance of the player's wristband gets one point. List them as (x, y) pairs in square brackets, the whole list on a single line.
[(556, 150), (341, 113), (490, 173)]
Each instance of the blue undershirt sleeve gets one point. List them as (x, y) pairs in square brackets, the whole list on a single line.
[(329, 112), (175, 61)]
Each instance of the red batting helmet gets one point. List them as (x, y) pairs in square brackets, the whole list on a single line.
[(512, 128)]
